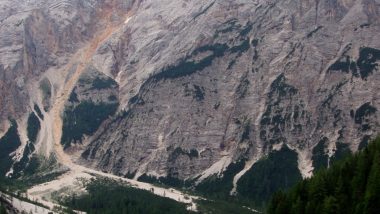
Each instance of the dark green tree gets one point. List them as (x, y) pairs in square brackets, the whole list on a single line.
[(372, 195), (351, 185), (2, 209)]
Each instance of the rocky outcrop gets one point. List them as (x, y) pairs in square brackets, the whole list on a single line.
[(92, 101), (37, 38), (38, 52), (216, 82), (201, 84)]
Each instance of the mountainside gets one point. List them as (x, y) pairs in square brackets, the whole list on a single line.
[(243, 79), (204, 91), (351, 186)]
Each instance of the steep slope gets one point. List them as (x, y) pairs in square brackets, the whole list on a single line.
[(217, 82), (198, 90), (82, 60), (350, 186), (41, 42)]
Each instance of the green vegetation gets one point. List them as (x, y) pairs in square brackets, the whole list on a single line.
[(343, 64), (187, 67), (203, 11), (247, 29), (351, 185), (38, 111), (8, 144), (19, 166), (367, 61), (193, 153), (108, 196), (103, 83), (228, 27), (363, 113), (364, 142), (37, 172), (320, 158), (280, 88), (219, 187), (32, 171), (28, 164), (2, 209), (112, 98), (197, 92), (342, 151), (309, 35), (166, 182), (34, 127), (84, 118), (277, 171), (12, 188), (275, 116), (73, 97), (46, 88), (243, 47), (243, 88), (222, 207)]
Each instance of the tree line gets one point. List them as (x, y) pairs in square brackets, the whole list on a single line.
[(351, 185)]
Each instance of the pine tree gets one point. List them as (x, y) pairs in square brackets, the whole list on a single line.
[(349, 186), (330, 205), (277, 203), (342, 192), (362, 169), (298, 207), (2, 209), (372, 196)]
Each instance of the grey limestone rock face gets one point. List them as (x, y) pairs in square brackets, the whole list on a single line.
[(37, 36), (204, 83), (213, 82)]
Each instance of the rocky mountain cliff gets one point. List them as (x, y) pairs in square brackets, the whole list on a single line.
[(185, 89)]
